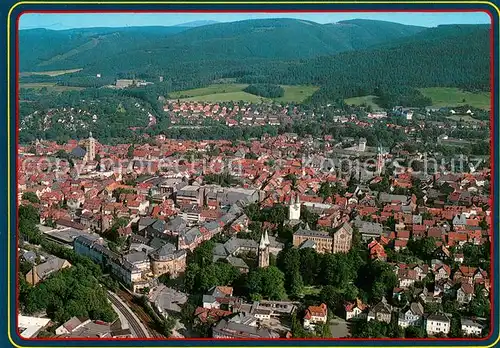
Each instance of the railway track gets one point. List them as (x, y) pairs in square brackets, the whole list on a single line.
[(134, 325), (140, 313)]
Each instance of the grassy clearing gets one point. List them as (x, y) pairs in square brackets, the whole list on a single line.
[(444, 96), (227, 97), (296, 94), (50, 73), (222, 88), (368, 100), (234, 92), (49, 86)]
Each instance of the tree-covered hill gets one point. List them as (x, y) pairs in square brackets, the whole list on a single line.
[(104, 49)]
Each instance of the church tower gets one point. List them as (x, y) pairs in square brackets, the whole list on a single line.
[(264, 250), (294, 209), (91, 148), (380, 161)]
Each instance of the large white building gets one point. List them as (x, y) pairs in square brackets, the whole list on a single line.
[(438, 323), (471, 327)]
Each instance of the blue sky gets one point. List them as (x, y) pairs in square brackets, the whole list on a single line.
[(68, 21)]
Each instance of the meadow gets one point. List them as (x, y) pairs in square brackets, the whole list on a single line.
[(234, 92), (453, 97)]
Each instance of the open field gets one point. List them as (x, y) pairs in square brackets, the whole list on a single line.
[(49, 86), (234, 92), (212, 89), (50, 73), (296, 93), (444, 96), (226, 97), (368, 100)]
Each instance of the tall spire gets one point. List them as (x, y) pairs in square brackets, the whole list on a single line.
[(262, 244), (90, 135), (266, 238)]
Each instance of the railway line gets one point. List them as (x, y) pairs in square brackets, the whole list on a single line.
[(140, 313), (135, 326)]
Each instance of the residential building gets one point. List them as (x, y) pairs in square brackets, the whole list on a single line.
[(471, 327), (42, 271), (382, 311), (315, 315), (438, 323), (411, 316)]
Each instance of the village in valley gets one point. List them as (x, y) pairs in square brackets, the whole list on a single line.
[(211, 201)]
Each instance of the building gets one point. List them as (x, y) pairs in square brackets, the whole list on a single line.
[(294, 209), (382, 311), (342, 239), (362, 144), (471, 327), (245, 327), (168, 259), (43, 270), (122, 269), (412, 316), (319, 240), (90, 155), (86, 328), (438, 323), (29, 327), (465, 293), (355, 310), (339, 242), (264, 251), (315, 315)]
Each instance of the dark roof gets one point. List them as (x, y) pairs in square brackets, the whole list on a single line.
[(79, 152)]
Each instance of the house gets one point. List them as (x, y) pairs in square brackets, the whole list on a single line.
[(465, 293), (382, 311), (242, 327), (471, 327), (406, 277), (42, 271), (438, 323), (29, 327), (412, 316), (356, 309), (441, 271), (72, 325), (315, 315)]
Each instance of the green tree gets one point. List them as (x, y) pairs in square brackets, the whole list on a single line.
[(30, 197)]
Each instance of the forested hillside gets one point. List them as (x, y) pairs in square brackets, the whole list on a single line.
[(142, 49)]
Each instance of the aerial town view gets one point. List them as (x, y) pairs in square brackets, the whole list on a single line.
[(254, 176)]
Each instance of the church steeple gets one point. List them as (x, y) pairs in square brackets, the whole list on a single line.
[(264, 250)]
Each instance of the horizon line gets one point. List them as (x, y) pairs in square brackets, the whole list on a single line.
[(184, 24)]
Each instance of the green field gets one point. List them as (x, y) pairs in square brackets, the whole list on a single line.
[(226, 97), (50, 86), (50, 73), (297, 93), (234, 92), (444, 96), (368, 100)]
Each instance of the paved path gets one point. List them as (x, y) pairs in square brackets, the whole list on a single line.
[(135, 325)]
